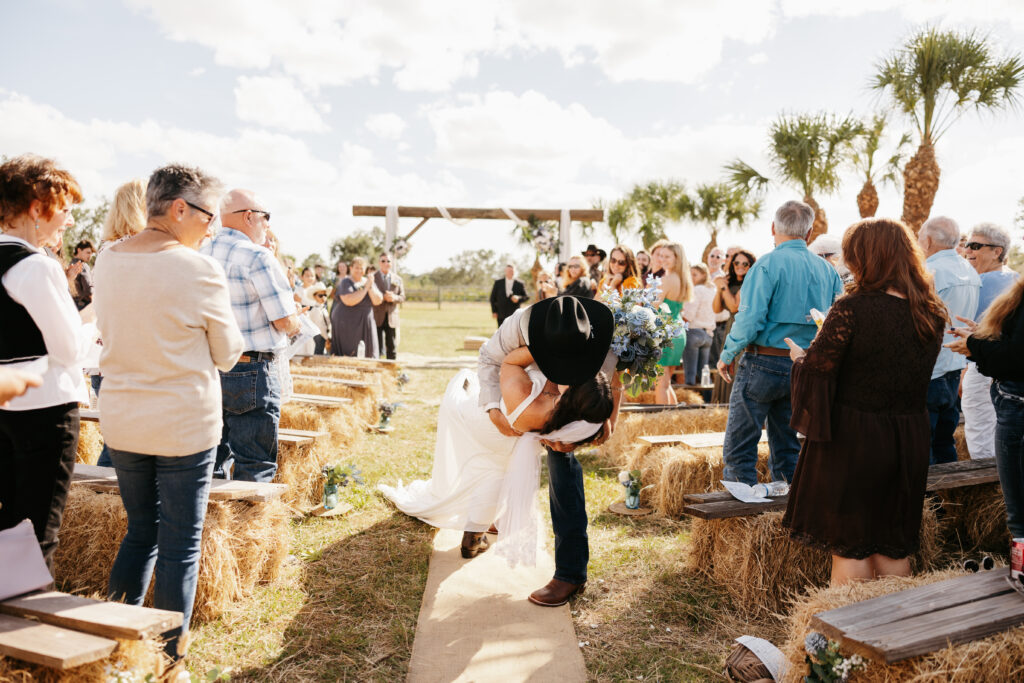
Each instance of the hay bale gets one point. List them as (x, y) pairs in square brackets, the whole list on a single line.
[(90, 442), (754, 560), (960, 439), (346, 361), (683, 397), (138, 659), (365, 400), (632, 425), (697, 471), (300, 467), (996, 658), (243, 544), (387, 382), (975, 518)]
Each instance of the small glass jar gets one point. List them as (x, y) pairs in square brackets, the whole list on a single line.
[(633, 496), (330, 496)]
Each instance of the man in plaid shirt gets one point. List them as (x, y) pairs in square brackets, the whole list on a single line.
[(265, 310)]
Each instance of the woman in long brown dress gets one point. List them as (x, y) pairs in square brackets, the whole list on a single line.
[(858, 396)]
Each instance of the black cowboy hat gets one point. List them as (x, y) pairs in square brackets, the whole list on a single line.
[(568, 337), (592, 249)]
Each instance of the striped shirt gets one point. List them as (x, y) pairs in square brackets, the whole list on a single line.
[(259, 290)]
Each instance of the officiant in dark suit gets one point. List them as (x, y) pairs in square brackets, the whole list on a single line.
[(385, 314), (507, 294)]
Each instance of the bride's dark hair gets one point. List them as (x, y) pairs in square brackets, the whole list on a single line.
[(590, 401)]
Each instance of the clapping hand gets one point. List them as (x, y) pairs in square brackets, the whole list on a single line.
[(959, 345), (795, 352)]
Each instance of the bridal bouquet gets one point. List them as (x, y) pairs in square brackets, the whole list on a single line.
[(643, 329)]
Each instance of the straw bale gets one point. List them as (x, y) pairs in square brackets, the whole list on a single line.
[(137, 658), (90, 442), (960, 440), (683, 397), (347, 361), (754, 560), (300, 467), (386, 381), (996, 658), (243, 544), (975, 518), (365, 400), (696, 471), (343, 425), (695, 421)]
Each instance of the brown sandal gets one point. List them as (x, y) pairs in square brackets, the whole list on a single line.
[(474, 543)]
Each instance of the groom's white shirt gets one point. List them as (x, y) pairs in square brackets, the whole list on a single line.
[(507, 339)]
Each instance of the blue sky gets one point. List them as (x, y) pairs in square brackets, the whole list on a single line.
[(321, 105)]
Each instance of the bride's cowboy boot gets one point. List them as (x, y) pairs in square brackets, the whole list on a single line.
[(474, 543), (556, 593)]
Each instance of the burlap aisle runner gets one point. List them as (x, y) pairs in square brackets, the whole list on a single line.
[(475, 623)]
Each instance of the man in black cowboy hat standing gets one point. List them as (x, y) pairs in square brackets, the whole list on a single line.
[(570, 341), (595, 257)]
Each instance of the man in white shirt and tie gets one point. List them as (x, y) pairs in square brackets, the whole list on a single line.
[(507, 294)]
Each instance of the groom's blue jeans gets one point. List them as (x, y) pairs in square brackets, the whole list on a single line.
[(568, 517)]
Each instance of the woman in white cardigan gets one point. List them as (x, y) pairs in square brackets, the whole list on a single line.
[(165, 317)]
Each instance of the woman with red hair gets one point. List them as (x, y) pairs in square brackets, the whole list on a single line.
[(859, 398)]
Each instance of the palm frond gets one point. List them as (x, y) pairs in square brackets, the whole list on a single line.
[(742, 175)]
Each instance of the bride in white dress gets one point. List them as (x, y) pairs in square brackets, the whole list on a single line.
[(481, 477)]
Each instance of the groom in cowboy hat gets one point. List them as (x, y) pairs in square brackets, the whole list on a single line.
[(594, 257), (570, 341)]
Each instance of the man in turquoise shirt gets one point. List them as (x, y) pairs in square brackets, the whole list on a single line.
[(959, 286), (775, 303)]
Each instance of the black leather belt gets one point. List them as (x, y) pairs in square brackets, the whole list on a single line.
[(256, 356)]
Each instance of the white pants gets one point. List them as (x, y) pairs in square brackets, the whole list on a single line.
[(979, 414)]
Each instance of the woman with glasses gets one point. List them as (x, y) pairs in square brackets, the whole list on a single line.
[(576, 281), (165, 314), (727, 298), (352, 316), (622, 272), (43, 333)]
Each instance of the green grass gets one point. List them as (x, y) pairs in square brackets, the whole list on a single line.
[(427, 331)]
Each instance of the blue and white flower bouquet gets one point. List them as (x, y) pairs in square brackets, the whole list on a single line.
[(643, 330)]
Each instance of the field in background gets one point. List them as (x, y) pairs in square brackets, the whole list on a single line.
[(427, 331)]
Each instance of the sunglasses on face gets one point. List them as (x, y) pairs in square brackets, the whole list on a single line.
[(975, 246), (617, 261), (574, 266), (741, 264), (265, 214)]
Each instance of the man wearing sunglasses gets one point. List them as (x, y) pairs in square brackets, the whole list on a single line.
[(264, 308), (385, 315), (959, 287)]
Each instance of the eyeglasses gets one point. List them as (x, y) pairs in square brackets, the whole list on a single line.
[(618, 261), (741, 264), (574, 265), (975, 246), (321, 295), (201, 210), (265, 214)]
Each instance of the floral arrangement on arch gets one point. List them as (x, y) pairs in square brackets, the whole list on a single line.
[(400, 248), (643, 330), (542, 236)]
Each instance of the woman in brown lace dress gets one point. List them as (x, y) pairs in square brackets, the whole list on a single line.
[(859, 398)]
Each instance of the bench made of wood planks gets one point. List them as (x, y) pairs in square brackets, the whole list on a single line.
[(62, 631), (354, 383), (950, 475), (298, 437), (104, 480), (699, 440), (318, 400), (917, 621), (655, 408)]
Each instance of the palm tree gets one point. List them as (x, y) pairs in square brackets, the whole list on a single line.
[(645, 210), (717, 206), (806, 151), (864, 161), (934, 78)]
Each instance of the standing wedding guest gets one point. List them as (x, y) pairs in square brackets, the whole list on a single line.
[(777, 297), (125, 219), (676, 290), (352, 315), (829, 248), (997, 346), (265, 311), (321, 272), (165, 314), (507, 294), (546, 288), (560, 275), (576, 281), (41, 327), (305, 288), (700, 317), (83, 281), (643, 263), (622, 272), (715, 262), (959, 286), (727, 301), (385, 315), (655, 271), (860, 481), (595, 257), (987, 248), (321, 318)]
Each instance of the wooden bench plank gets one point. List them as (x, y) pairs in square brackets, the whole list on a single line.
[(355, 383), (917, 621), (317, 399), (700, 440), (294, 439), (104, 480), (655, 408), (100, 618), (51, 646), (302, 433)]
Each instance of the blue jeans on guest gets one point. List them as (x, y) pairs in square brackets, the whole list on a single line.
[(251, 396), (760, 391), (165, 498), (104, 461), (695, 353), (1008, 399), (944, 415), (568, 517)]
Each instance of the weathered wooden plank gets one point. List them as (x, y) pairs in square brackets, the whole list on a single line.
[(304, 433), (100, 618), (702, 440), (354, 383), (52, 646), (734, 508), (104, 480), (88, 415), (316, 399), (654, 408), (294, 439), (585, 215)]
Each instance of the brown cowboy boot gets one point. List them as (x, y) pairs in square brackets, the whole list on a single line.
[(474, 543), (556, 593)]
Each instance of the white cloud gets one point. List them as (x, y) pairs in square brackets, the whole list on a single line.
[(389, 126), (276, 102), (951, 13), (758, 58)]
